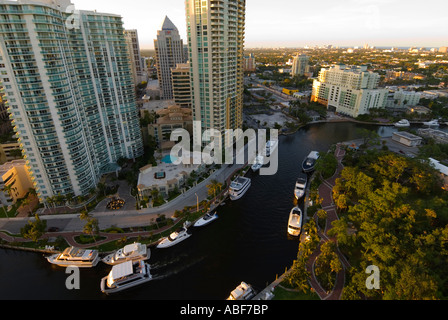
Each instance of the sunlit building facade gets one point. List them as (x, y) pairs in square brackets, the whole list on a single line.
[(215, 30), (169, 52), (138, 69), (351, 91), (70, 93), (300, 65)]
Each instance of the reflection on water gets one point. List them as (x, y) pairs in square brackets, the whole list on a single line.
[(249, 241)]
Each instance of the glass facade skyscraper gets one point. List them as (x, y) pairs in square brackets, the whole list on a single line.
[(169, 50), (68, 84)]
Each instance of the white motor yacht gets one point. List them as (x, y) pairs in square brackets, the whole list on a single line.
[(271, 146), (259, 162), (131, 252), (72, 256), (403, 124), (300, 188), (126, 275), (432, 123), (175, 237), (310, 161), (239, 187), (243, 292), (295, 222), (205, 220)]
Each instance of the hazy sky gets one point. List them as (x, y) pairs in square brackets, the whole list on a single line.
[(295, 23)]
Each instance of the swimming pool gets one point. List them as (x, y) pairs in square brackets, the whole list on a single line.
[(169, 159)]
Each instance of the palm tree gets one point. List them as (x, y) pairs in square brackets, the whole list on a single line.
[(69, 198), (50, 202), (214, 187), (101, 188), (154, 195), (27, 202), (91, 227)]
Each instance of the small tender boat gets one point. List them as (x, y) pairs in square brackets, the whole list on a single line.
[(126, 275), (310, 161), (259, 162), (403, 124), (175, 237), (295, 222), (243, 292), (432, 123), (72, 256), (239, 187), (131, 252), (205, 220), (300, 188)]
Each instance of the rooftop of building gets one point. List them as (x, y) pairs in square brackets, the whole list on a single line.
[(12, 164)]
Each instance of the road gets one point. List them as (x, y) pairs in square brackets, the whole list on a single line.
[(128, 218)]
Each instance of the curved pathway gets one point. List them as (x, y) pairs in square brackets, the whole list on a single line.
[(326, 193)]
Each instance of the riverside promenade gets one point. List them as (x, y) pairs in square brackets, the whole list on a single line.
[(326, 194), (73, 225)]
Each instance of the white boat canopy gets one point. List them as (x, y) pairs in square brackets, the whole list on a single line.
[(121, 270), (314, 155), (131, 248)]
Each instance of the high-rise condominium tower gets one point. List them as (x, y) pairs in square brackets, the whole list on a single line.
[(139, 73), (68, 83), (215, 30), (300, 65), (169, 52)]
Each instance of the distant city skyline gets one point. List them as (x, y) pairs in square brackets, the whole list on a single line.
[(288, 23)]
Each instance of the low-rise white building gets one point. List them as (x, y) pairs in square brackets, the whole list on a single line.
[(407, 139), (403, 98), (352, 91)]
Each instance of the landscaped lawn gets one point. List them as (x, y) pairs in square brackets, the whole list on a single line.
[(282, 294)]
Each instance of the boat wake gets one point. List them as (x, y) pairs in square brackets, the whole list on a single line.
[(162, 271)]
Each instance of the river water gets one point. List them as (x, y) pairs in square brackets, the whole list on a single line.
[(247, 243)]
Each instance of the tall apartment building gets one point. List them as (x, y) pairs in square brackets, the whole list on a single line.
[(68, 84), (350, 91), (250, 63), (180, 78), (169, 52), (215, 30), (300, 65), (138, 70)]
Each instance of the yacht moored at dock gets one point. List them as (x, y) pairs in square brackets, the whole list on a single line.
[(403, 124), (310, 161), (243, 292), (239, 187), (175, 237), (205, 220), (295, 222), (432, 123), (299, 190), (271, 146), (126, 275), (76, 257), (131, 252), (259, 162)]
